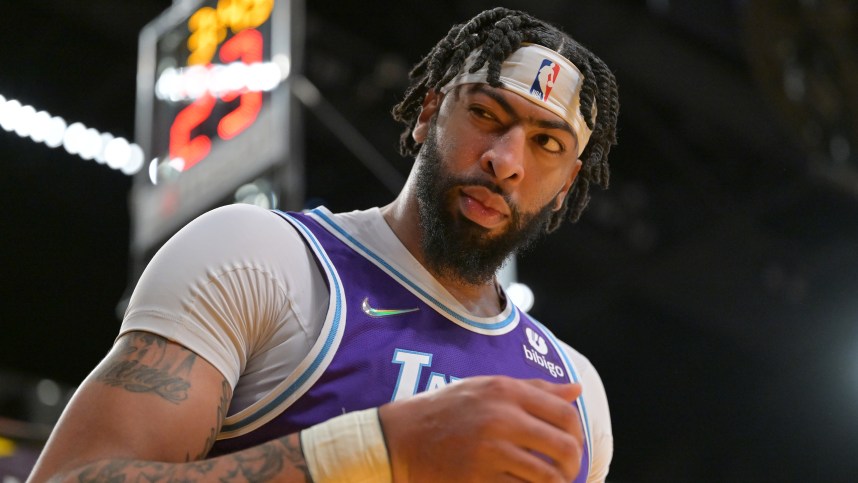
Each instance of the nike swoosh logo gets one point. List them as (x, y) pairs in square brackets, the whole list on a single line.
[(368, 310)]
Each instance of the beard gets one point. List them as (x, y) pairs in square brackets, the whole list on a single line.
[(454, 246)]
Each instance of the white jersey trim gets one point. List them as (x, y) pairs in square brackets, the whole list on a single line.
[(311, 367), (573, 374), (499, 325)]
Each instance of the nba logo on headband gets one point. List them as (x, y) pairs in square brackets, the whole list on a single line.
[(544, 80)]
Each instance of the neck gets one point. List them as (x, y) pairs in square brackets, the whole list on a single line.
[(481, 300)]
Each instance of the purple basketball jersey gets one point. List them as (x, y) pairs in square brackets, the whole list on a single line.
[(386, 338)]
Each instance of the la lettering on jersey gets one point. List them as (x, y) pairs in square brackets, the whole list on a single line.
[(385, 339)]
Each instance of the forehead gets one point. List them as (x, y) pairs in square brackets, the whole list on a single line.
[(516, 104), (541, 76)]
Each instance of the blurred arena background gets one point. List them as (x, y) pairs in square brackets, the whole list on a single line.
[(713, 286)]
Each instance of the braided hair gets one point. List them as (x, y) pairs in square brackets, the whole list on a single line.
[(498, 33)]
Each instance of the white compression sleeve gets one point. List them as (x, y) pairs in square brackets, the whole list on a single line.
[(347, 449)]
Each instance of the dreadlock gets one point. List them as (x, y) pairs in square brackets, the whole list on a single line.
[(498, 33)]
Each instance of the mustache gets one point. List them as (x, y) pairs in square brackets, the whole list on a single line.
[(515, 213), (487, 184)]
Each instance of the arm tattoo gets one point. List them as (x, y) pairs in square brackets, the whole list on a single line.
[(281, 457), (146, 363), (222, 407), (149, 363), (295, 455)]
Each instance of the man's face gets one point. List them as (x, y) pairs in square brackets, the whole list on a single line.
[(455, 246), (489, 175)]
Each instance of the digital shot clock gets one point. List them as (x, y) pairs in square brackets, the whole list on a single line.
[(214, 110)]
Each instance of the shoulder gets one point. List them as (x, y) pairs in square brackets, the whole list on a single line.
[(231, 235), (227, 242), (594, 389), (237, 222), (222, 283), (586, 370)]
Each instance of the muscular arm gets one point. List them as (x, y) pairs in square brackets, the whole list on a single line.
[(151, 411)]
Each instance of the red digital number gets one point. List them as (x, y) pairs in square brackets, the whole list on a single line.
[(181, 144), (246, 46)]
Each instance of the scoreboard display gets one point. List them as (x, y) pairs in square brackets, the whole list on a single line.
[(214, 110)]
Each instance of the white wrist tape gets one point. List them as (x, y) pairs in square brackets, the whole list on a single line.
[(347, 449)]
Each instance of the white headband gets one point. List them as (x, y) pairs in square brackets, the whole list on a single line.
[(541, 76)]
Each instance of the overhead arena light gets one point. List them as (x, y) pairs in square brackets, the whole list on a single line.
[(53, 131)]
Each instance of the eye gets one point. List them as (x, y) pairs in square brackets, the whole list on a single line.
[(482, 113), (548, 143)]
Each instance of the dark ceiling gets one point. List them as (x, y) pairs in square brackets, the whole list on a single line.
[(713, 285)]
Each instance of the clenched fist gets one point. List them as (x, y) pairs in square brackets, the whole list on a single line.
[(490, 428)]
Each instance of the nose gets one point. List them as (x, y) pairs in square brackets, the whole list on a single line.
[(504, 159)]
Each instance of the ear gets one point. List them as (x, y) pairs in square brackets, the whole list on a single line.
[(431, 103), (558, 200)]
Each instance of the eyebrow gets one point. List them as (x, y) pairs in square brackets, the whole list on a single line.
[(543, 123)]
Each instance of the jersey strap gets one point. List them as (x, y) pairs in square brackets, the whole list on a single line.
[(312, 367)]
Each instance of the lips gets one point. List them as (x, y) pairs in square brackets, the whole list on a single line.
[(483, 207)]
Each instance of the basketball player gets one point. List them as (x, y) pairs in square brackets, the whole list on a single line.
[(374, 345)]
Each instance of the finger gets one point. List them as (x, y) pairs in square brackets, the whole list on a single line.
[(567, 391), (555, 428), (523, 465), (507, 478), (544, 419), (559, 448), (552, 403)]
